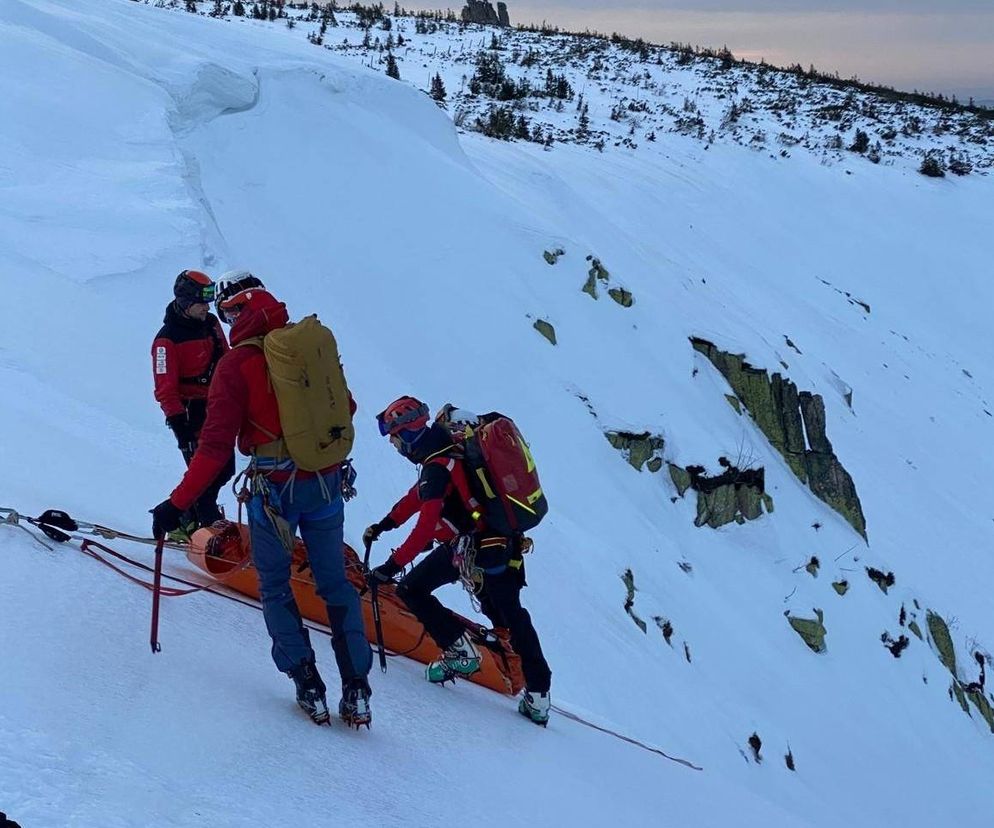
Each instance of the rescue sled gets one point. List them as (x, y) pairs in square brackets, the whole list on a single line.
[(221, 549)]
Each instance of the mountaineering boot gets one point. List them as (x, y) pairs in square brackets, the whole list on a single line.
[(353, 709), (310, 691), (461, 658), (535, 706)]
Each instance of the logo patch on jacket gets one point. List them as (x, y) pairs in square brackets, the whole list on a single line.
[(160, 359)]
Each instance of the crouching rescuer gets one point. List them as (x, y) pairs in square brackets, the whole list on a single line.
[(280, 392), (476, 495)]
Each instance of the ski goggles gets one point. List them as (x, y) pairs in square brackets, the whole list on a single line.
[(398, 422)]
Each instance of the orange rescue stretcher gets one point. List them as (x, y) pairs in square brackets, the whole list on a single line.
[(223, 548)]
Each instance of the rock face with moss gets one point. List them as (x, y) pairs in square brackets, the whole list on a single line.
[(811, 630), (733, 496), (639, 449), (963, 692), (546, 329), (785, 416)]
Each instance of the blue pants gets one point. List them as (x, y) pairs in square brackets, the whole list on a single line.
[(319, 512)]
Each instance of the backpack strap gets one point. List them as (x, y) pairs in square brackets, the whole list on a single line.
[(276, 448), (449, 457)]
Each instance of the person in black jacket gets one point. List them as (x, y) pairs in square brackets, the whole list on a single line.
[(184, 354), (442, 500)]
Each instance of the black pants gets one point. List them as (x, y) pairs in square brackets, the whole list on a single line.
[(500, 600), (205, 511)]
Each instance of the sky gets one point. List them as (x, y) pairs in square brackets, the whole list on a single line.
[(915, 44)]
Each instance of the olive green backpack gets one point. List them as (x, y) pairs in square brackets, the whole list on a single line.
[(314, 402)]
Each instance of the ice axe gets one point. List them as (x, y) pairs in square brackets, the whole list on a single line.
[(156, 594), (374, 600)]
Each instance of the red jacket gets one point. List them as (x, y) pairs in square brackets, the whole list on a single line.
[(241, 405), (185, 354), (441, 499)]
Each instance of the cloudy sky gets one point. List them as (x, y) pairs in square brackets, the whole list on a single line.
[(928, 45)]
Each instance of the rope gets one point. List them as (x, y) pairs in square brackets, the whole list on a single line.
[(622, 737), (11, 517)]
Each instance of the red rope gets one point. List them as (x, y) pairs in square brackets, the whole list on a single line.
[(170, 592)]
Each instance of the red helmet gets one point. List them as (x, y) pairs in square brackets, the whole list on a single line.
[(192, 288), (404, 414)]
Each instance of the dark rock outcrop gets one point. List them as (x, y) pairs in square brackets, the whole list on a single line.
[(482, 12), (785, 416)]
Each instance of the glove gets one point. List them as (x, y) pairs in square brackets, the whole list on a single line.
[(383, 574), (165, 518), (372, 533), (180, 426)]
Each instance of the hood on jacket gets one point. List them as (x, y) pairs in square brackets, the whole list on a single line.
[(261, 313)]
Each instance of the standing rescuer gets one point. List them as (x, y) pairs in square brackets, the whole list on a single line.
[(449, 514), (290, 433), (185, 354)]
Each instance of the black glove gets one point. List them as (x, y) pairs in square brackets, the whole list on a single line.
[(383, 574), (165, 518), (372, 533), (180, 426)]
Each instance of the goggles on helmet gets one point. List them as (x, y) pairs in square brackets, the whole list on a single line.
[(397, 422)]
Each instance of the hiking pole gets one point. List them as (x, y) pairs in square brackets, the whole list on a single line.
[(374, 600), (156, 590)]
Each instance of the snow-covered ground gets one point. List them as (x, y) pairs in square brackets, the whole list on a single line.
[(137, 141)]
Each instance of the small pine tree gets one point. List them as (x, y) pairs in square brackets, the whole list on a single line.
[(521, 131), (238, 10), (191, 6), (861, 143), (438, 92), (392, 70), (583, 125), (932, 167), (219, 9)]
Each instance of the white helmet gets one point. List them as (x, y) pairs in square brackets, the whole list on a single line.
[(232, 283)]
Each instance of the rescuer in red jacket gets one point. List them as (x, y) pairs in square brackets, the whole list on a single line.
[(184, 355), (242, 407)]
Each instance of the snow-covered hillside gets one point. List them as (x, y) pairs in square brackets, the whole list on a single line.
[(550, 87), (138, 141)]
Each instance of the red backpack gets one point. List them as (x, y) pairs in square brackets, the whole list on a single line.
[(502, 475)]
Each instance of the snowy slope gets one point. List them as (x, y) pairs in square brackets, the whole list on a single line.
[(139, 141)]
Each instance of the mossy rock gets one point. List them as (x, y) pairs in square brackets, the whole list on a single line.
[(622, 297), (811, 630), (841, 587), (983, 706), (680, 478), (786, 416), (749, 501), (638, 449), (546, 330), (629, 580), (768, 503), (913, 626), (590, 286), (717, 508), (552, 256), (960, 697), (655, 464), (812, 567), (939, 632), (597, 269), (733, 401)]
